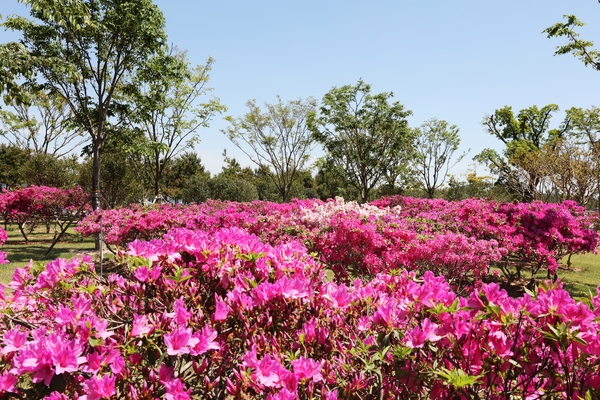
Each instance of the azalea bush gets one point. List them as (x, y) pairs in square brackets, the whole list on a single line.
[(3, 238), (460, 240), (225, 314), (41, 205)]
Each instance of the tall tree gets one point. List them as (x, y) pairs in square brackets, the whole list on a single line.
[(277, 139), (364, 135), (584, 124), (81, 50), (435, 144), (169, 105), (520, 168), (47, 129), (571, 169)]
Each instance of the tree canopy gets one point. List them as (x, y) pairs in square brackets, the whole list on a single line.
[(276, 140), (81, 51), (435, 143), (364, 134), (520, 168)]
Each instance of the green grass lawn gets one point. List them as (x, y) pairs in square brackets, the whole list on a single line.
[(581, 278), (19, 253)]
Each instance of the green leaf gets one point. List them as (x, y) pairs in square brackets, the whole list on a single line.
[(457, 378)]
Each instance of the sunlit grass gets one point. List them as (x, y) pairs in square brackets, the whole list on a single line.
[(18, 252), (583, 276)]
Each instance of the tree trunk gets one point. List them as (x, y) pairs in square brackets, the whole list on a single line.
[(96, 175), (96, 185)]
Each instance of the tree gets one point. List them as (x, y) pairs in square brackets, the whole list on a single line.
[(48, 130), (119, 178), (81, 50), (12, 161), (582, 49), (364, 135), (435, 144), (572, 169), (166, 107), (43, 169), (475, 186), (277, 139), (585, 125), (520, 168), (186, 179)]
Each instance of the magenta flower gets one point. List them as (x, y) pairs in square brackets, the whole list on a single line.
[(57, 396), (65, 315), (283, 394), (268, 371), (338, 296), (140, 326), (182, 315), (142, 273), (99, 388), (14, 340), (176, 390), (7, 382), (206, 341), (180, 341), (307, 368), (65, 355), (221, 309), (416, 337)]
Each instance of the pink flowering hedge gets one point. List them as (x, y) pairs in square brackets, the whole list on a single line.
[(223, 314), (459, 240)]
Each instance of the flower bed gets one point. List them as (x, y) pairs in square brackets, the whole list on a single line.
[(222, 313), (459, 240)]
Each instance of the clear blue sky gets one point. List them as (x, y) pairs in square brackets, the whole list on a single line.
[(456, 61)]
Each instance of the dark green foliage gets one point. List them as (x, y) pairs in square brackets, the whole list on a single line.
[(364, 135)]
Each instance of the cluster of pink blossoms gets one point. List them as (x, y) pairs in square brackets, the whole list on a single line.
[(40, 204), (3, 238), (222, 313), (459, 240)]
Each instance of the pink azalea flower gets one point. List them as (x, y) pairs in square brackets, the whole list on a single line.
[(283, 394), (65, 315), (8, 382), (65, 355), (390, 312), (81, 306), (416, 337), (56, 396), (99, 388), (221, 309), (14, 340), (165, 374), (142, 273), (307, 368), (20, 277), (140, 326), (180, 341), (176, 390), (338, 296), (206, 341), (268, 371), (182, 315)]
